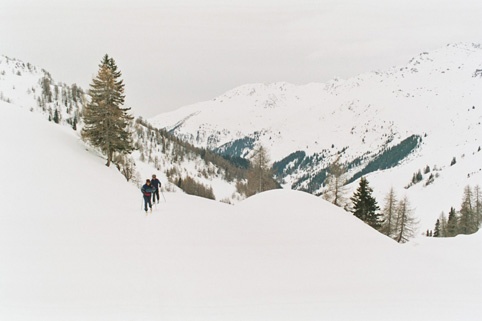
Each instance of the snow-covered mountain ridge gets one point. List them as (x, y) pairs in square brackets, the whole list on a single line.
[(30, 87), (355, 113), (432, 105)]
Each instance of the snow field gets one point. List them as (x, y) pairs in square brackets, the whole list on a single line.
[(75, 245)]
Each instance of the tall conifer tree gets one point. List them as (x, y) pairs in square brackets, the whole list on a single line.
[(452, 223), (106, 122), (437, 232), (467, 220), (365, 206), (406, 223), (335, 181), (443, 225), (389, 213), (478, 206), (260, 174)]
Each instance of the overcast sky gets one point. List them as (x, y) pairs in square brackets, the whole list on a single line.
[(174, 53)]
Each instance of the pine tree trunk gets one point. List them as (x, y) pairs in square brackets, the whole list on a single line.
[(109, 157)]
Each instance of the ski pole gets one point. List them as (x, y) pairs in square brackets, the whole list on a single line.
[(163, 196)]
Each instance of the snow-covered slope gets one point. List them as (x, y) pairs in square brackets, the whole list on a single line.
[(75, 245), (33, 88), (432, 105)]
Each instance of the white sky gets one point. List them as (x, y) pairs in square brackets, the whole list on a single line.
[(173, 53)]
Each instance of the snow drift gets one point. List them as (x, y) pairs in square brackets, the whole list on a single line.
[(75, 245)]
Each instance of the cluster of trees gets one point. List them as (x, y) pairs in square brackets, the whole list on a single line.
[(465, 221), (418, 176), (67, 98), (398, 221), (191, 187), (59, 102), (109, 127), (171, 155), (395, 219), (259, 175), (390, 157)]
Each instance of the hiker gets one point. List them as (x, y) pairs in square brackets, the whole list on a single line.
[(146, 191), (156, 185)]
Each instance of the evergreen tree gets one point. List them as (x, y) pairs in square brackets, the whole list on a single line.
[(437, 232), (365, 206), (467, 220), (74, 123), (389, 213), (452, 223), (106, 122), (419, 176), (443, 225), (477, 206), (56, 116)]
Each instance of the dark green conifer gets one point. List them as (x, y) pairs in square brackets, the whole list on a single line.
[(467, 221), (436, 232), (56, 116), (74, 123), (452, 223), (365, 206)]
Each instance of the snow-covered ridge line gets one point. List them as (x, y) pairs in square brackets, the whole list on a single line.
[(33, 88), (274, 107), (436, 96)]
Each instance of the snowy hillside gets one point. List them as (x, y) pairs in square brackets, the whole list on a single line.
[(33, 88), (75, 245), (426, 113)]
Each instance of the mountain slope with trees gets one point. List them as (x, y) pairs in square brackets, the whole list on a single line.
[(423, 118), (33, 88), (195, 170), (421, 145)]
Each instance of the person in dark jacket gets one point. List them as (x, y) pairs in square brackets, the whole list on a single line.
[(156, 185), (147, 190)]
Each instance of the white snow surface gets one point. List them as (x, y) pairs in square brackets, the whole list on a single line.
[(75, 245)]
